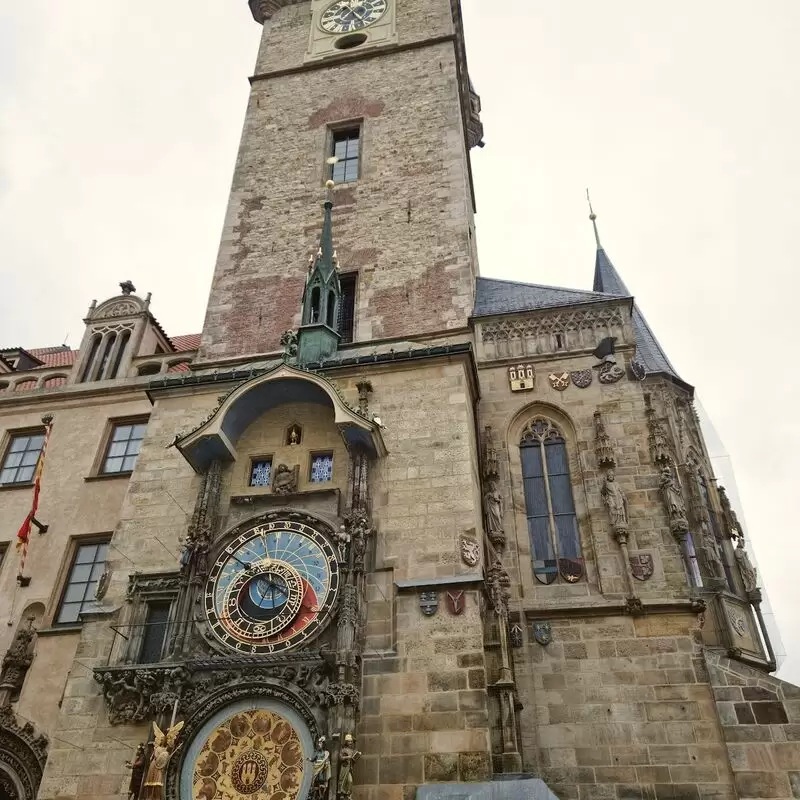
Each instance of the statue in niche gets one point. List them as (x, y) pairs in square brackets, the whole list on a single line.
[(615, 502), (348, 756), (708, 554), (748, 571), (321, 765), (294, 435), (493, 501), (137, 767), (673, 500), (163, 747), (16, 662), (284, 481)]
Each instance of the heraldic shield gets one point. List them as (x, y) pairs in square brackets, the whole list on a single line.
[(571, 569), (429, 603), (543, 633), (545, 571), (642, 566)]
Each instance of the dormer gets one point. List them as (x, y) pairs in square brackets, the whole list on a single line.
[(117, 331), (15, 359)]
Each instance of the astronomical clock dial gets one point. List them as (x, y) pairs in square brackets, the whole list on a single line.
[(272, 587), (345, 16)]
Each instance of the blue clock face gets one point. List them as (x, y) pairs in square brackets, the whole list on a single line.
[(345, 16), (272, 587)]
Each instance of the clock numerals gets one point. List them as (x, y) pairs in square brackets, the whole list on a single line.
[(344, 16)]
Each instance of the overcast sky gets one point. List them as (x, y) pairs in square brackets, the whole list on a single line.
[(119, 125)]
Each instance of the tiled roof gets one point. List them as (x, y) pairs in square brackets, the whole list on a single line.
[(494, 296), (60, 356), (189, 341)]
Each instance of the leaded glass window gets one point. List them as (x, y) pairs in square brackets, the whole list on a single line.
[(126, 441), (346, 145), (261, 472), (21, 458), (322, 468), (549, 503), (88, 565)]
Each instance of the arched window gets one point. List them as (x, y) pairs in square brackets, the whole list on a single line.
[(107, 348), (87, 366), (331, 310), (123, 343), (314, 305), (549, 504)]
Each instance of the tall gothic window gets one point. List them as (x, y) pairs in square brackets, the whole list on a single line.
[(549, 504)]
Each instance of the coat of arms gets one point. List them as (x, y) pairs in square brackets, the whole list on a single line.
[(521, 377), (545, 570), (638, 370), (543, 633), (610, 373), (455, 601), (581, 378), (571, 569), (559, 382), (470, 552), (428, 603), (515, 635), (642, 566)]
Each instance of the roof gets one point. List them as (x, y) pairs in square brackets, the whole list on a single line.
[(51, 357), (494, 296), (189, 341), (648, 351)]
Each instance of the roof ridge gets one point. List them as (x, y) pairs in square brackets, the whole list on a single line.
[(548, 286)]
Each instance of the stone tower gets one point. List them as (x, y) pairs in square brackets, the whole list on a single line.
[(387, 529)]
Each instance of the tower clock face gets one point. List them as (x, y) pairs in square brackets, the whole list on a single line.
[(345, 16), (272, 587)]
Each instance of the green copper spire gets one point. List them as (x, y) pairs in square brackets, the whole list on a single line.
[(318, 337)]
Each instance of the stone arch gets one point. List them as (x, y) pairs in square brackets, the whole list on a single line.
[(23, 754)]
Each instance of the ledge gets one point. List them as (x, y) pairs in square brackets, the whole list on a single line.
[(256, 497), (109, 477), (59, 630), (8, 487), (422, 583), (614, 609)]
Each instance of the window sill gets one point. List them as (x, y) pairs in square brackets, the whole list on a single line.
[(8, 487), (108, 477), (58, 630)]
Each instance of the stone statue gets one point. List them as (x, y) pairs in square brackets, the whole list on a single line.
[(494, 511), (709, 556), (615, 501), (348, 756), (321, 764), (732, 525), (163, 747), (289, 344), (748, 571), (137, 772), (16, 662), (673, 500), (284, 481)]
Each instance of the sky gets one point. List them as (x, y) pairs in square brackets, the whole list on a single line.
[(119, 126)]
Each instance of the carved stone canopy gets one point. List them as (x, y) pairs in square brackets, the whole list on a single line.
[(216, 438), (23, 754)]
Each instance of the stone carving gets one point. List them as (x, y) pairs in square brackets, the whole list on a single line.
[(103, 584), (23, 751), (559, 381), (294, 435), (605, 350), (570, 569), (493, 504), (455, 601), (732, 525), (673, 501), (521, 377), (638, 370), (163, 747), (142, 583), (339, 694), (122, 308), (634, 606), (543, 633), (289, 343), (357, 531), (709, 558), (137, 768), (746, 568), (582, 378), (470, 551), (616, 503), (127, 288), (16, 662), (515, 635), (428, 603), (659, 447), (642, 566), (348, 755), (498, 585), (321, 766), (738, 622), (610, 373), (490, 463), (364, 391), (284, 481), (602, 443)]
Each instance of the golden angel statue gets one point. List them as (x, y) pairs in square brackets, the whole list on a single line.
[(163, 747)]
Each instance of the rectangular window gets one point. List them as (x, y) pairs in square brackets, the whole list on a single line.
[(155, 631), (261, 472), (347, 309), (21, 458), (322, 468), (345, 148), (88, 565), (124, 446), (3, 550)]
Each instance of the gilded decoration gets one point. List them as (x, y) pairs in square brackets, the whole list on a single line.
[(255, 754)]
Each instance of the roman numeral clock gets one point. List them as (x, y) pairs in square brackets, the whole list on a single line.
[(342, 16), (350, 25)]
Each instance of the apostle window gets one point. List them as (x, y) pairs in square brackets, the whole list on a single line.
[(123, 447), (549, 504), (260, 472), (22, 455), (321, 468), (88, 566), (345, 154)]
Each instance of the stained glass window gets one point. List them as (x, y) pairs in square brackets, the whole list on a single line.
[(549, 504), (261, 472), (322, 468), (21, 458), (126, 441)]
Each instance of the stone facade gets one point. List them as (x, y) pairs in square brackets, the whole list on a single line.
[(485, 553)]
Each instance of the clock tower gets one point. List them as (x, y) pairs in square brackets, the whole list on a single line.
[(375, 96)]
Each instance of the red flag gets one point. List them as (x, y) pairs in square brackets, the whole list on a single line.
[(25, 528)]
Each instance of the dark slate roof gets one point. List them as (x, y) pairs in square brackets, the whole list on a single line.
[(608, 281), (494, 296)]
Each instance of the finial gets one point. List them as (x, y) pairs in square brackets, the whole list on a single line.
[(127, 287), (593, 218)]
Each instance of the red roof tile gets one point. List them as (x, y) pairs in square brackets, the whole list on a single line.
[(189, 341), (55, 356)]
